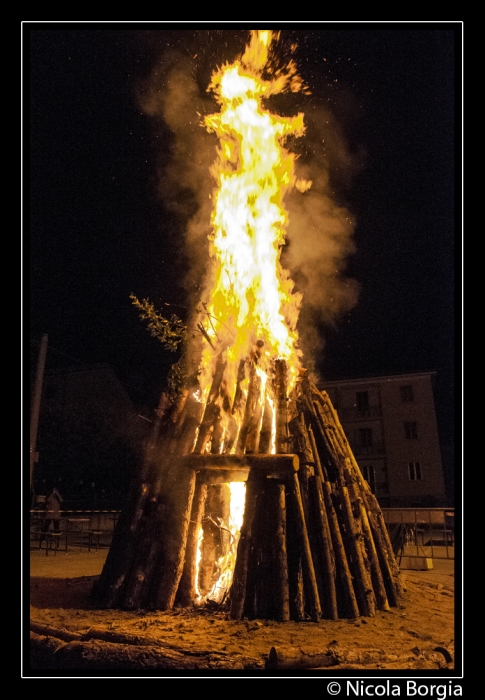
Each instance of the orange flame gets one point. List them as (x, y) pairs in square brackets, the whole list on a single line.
[(252, 301), (252, 297)]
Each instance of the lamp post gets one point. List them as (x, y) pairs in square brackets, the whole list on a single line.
[(35, 407)]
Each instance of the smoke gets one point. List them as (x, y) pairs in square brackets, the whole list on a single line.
[(172, 97), (320, 232)]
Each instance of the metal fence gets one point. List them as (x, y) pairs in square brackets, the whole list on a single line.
[(77, 529), (424, 532)]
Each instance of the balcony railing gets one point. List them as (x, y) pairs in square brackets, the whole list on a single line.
[(377, 448), (354, 413)]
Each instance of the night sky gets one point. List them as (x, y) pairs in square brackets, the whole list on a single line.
[(99, 231)]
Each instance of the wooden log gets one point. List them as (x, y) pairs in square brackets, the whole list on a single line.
[(354, 544), (346, 587), (186, 592), (267, 588), (281, 382), (238, 588), (388, 564), (376, 574), (174, 536), (223, 476), (43, 651), (238, 403), (346, 541), (212, 410), (297, 659), (328, 593), (190, 426), (294, 557), (264, 445), (355, 538), (250, 420), (282, 592), (258, 584), (320, 470), (123, 546), (51, 631), (254, 432), (135, 593), (311, 589), (216, 445), (108, 656), (287, 464), (152, 545)]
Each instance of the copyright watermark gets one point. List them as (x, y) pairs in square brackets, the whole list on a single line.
[(410, 689)]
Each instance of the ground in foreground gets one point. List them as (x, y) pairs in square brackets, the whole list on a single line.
[(68, 632)]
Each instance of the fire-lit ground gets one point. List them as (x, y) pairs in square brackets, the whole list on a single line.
[(404, 638)]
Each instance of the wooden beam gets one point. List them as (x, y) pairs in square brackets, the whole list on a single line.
[(282, 463)]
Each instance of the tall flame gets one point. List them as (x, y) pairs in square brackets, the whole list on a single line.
[(252, 297), (252, 302)]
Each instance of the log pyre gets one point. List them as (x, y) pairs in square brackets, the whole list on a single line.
[(312, 543)]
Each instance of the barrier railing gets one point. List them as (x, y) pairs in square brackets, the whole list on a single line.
[(428, 532), (83, 529), (425, 532)]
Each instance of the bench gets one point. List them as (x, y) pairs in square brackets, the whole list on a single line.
[(52, 540)]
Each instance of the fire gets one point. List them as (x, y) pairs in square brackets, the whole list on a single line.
[(252, 297), (225, 565), (253, 308)]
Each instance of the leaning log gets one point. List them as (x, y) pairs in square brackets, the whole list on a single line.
[(170, 566), (186, 593), (282, 593), (311, 589), (281, 381), (239, 581)]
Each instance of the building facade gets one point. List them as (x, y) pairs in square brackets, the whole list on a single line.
[(391, 425)]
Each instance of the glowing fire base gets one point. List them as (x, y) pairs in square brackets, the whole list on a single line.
[(313, 543)]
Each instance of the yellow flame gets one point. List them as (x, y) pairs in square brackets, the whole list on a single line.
[(252, 302), (225, 565), (252, 297)]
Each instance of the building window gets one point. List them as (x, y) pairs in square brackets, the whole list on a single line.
[(369, 475), (414, 471), (407, 394), (362, 398), (410, 430), (365, 437)]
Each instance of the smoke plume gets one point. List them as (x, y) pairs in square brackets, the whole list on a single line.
[(320, 231)]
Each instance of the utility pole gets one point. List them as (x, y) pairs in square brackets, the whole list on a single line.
[(35, 407)]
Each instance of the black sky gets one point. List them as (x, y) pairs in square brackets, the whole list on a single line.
[(99, 231)]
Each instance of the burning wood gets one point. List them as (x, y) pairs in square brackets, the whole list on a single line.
[(312, 543)]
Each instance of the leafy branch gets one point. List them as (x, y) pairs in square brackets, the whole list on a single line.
[(171, 332)]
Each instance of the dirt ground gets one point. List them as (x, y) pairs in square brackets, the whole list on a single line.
[(418, 635)]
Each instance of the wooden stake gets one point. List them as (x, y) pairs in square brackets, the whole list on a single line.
[(266, 428), (281, 406), (186, 592), (174, 536), (282, 584), (308, 568), (249, 421), (328, 595), (238, 588)]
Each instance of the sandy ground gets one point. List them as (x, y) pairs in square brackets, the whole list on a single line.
[(406, 638)]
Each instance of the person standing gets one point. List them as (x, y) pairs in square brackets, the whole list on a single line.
[(52, 512)]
